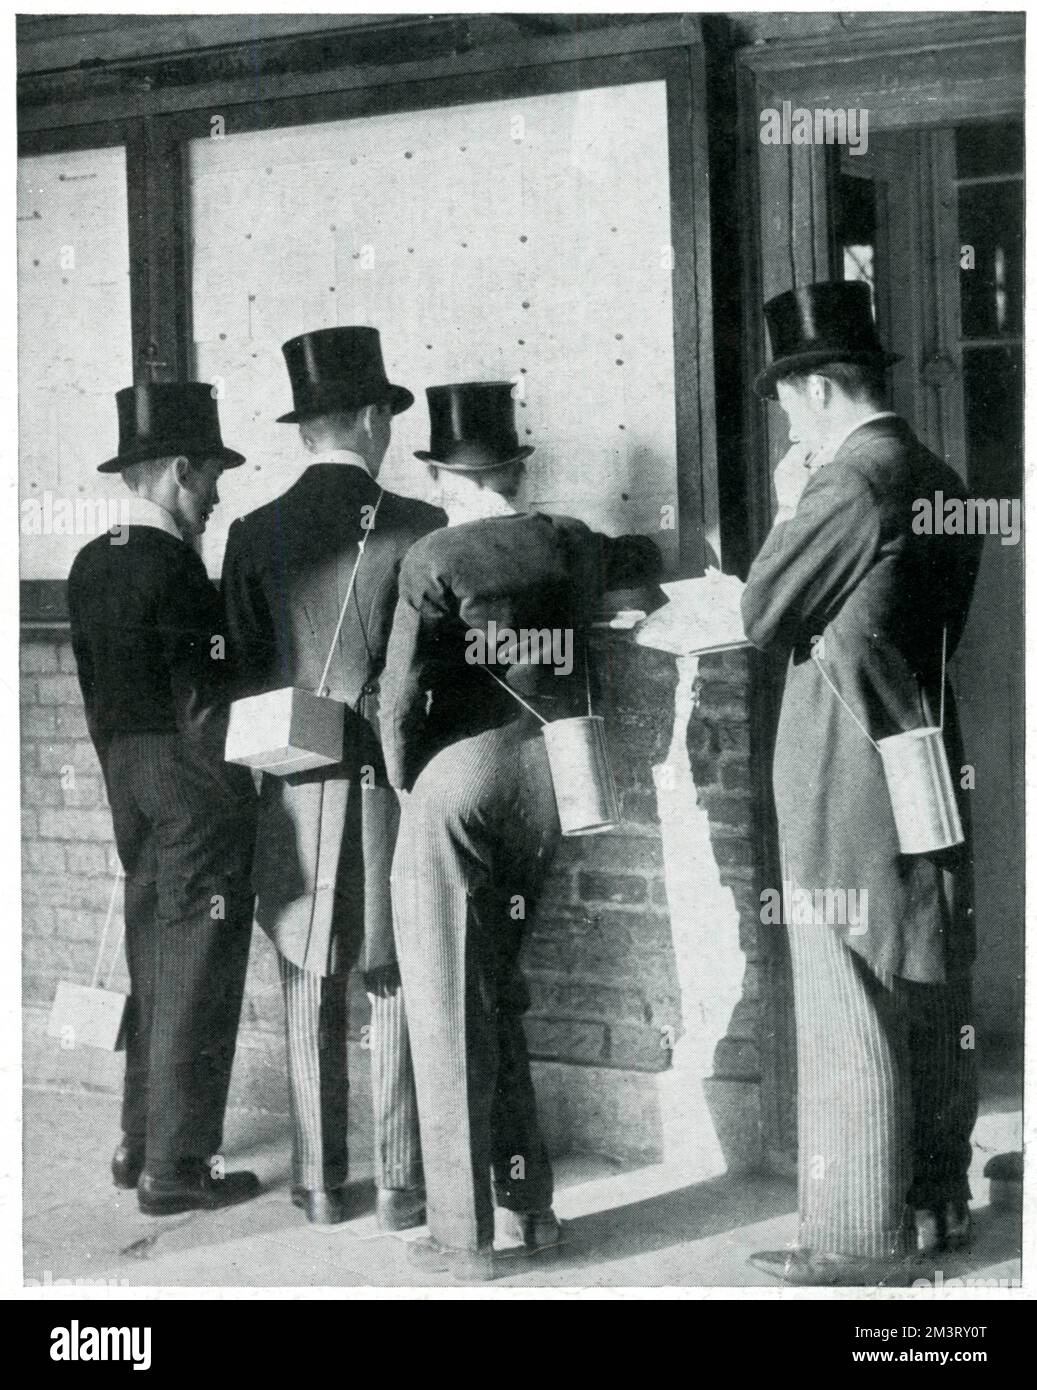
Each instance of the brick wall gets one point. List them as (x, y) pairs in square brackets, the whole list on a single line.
[(610, 999)]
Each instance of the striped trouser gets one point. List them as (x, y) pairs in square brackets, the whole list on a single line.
[(318, 1080), (887, 1096), (476, 837), (184, 827)]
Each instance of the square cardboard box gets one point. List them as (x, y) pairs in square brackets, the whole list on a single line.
[(285, 731), (87, 1016)]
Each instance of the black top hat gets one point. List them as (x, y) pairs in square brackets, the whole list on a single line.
[(827, 322), (164, 419), (338, 369), (472, 427)]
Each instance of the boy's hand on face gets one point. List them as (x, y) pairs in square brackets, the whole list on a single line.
[(790, 478)]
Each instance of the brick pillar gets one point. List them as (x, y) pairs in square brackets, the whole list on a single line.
[(643, 955)]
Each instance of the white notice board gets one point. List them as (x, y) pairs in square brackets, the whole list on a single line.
[(526, 239), (74, 349)]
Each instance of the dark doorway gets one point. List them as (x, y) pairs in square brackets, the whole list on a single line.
[(933, 221)]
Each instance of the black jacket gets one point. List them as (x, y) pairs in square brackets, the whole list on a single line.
[(527, 571), (149, 640)]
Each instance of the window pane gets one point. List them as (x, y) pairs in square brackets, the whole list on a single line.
[(990, 220), (994, 420), (74, 349), (856, 229), (989, 149), (526, 239)]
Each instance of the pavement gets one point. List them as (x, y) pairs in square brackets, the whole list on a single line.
[(623, 1227)]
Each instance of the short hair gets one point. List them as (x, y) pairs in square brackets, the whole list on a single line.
[(340, 421), (139, 475), (505, 480), (858, 380)]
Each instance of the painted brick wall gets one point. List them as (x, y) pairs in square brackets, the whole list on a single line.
[(606, 1007)]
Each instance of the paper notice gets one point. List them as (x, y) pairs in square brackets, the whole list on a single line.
[(703, 615)]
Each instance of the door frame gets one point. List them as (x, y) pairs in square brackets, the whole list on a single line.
[(936, 72)]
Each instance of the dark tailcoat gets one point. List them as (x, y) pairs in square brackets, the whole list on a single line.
[(850, 569), (326, 837)]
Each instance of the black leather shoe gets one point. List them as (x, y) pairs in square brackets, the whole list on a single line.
[(322, 1207), (928, 1236), (400, 1208), (194, 1190), (957, 1226), (465, 1266), (532, 1232), (814, 1269), (128, 1162)]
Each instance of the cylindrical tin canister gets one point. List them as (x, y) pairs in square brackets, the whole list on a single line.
[(585, 789), (921, 790)]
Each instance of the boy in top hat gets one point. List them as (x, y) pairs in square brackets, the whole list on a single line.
[(148, 638), (858, 600), (326, 837), (479, 828)]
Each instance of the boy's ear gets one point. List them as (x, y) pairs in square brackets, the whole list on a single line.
[(182, 470)]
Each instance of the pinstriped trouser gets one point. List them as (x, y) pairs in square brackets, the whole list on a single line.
[(478, 830), (184, 824), (318, 1080), (887, 1096)]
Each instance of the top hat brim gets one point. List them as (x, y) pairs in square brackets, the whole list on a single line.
[(399, 398), (488, 467), (800, 362), (230, 458)]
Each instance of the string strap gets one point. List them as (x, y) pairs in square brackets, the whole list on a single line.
[(514, 694), (322, 688), (828, 681), (104, 938)]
